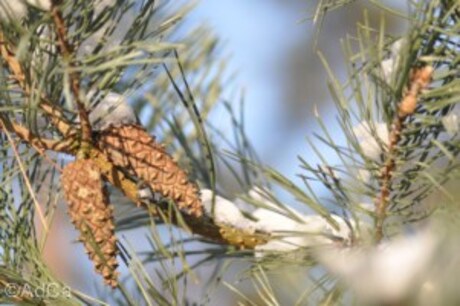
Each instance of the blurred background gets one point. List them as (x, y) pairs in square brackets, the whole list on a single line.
[(272, 46)]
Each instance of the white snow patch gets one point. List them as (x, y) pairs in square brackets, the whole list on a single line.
[(225, 212), (450, 123), (385, 273), (370, 139), (113, 109)]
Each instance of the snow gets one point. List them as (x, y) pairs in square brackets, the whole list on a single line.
[(16, 10), (450, 123), (113, 109), (390, 65), (12, 10), (383, 273), (291, 229), (41, 4), (368, 138), (225, 212)]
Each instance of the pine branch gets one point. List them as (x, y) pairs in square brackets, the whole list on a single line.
[(67, 51), (396, 162), (37, 142), (421, 77), (55, 114), (201, 226), (71, 145)]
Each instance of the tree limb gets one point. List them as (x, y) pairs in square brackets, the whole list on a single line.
[(420, 79), (67, 52), (202, 226)]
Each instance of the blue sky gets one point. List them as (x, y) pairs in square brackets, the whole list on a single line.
[(261, 35), (257, 34)]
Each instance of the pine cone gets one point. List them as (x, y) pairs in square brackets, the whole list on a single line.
[(91, 214), (133, 149)]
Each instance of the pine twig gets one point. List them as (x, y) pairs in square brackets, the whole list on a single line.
[(39, 144), (64, 146), (420, 79), (67, 51), (55, 114)]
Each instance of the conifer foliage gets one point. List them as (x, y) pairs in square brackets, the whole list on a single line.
[(374, 220)]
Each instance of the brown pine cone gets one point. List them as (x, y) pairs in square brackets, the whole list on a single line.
[(133, 149), (92, 215)]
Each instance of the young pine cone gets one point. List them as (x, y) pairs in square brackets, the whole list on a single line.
[(91, 214), (133, 149)]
